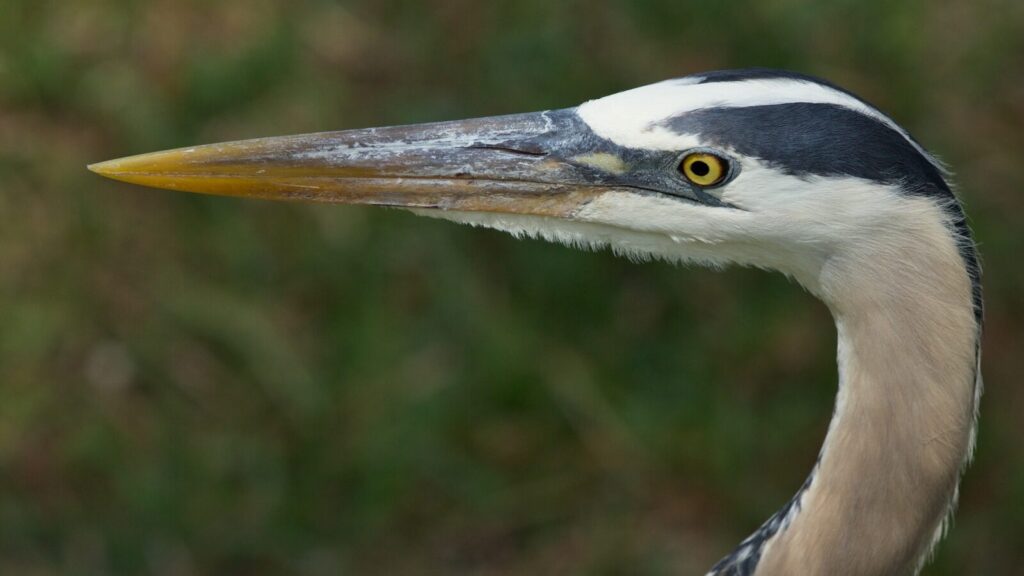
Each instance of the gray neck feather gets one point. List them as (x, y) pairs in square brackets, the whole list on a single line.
[(887, 475)]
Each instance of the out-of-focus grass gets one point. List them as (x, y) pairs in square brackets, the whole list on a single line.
[(205, 386)]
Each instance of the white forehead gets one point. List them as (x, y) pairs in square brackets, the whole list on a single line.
[(632, 118)]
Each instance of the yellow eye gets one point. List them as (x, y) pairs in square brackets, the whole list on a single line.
[(703, 169)]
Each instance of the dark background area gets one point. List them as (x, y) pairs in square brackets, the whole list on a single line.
[(193, 385)]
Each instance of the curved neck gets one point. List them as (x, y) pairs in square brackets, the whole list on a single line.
[(903, 426), (888, 471)]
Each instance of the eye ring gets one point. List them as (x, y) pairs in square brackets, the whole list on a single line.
[(704, 169)]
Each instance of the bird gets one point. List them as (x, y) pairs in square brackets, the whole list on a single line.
[(753, 167)]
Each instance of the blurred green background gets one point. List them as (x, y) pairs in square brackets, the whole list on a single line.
[(193, 385)]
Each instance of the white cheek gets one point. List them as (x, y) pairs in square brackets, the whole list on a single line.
[(782, 222), (678, 230), (813, 210), (682, 220)]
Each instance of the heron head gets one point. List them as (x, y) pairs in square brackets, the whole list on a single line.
[(753, 167)]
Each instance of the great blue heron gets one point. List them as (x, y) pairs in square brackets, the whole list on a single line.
[(752, 167)]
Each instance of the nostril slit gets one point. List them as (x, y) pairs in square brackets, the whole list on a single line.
[(533, 151)]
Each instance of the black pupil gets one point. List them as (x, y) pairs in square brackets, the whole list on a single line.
[(700, 168)]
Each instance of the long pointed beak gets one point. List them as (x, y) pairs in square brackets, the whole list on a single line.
[(520, 164)]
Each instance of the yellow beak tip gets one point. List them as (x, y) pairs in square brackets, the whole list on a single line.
[(107, 168)]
